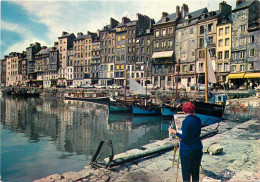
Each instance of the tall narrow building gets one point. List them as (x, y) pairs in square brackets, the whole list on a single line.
[(185, 47)]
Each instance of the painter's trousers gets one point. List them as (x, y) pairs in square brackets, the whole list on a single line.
[(190, 164)]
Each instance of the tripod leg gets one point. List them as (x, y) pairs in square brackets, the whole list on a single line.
[(202, 170), (178, 162), (174, 153)]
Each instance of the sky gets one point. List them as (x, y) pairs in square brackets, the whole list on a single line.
[(25, 22)]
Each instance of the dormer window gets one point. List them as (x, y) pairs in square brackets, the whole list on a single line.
[(165, 19)]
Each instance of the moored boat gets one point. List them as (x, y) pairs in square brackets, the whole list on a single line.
[(89, 96)]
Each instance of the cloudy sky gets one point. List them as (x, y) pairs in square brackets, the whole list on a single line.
[(25, 22)]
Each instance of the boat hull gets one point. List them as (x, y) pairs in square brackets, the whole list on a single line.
[(145, 111), (167, 111), (104, 100), (208, 113), (118, 109)]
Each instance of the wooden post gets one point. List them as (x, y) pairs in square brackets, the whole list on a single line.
[(206, 76)]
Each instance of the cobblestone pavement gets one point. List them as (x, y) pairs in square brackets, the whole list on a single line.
[(239, 161)]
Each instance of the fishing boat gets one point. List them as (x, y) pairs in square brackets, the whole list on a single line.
[(143, 100), (119, 104), (168, 109), (209, 112), (90, 96)]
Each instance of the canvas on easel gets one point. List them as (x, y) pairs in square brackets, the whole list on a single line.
[(178, 119)]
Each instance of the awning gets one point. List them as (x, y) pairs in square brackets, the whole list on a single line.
[(252, 75), (162, 54), (235, 75)]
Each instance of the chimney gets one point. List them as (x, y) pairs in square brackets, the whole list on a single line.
[(224, 8), (98, 32), (178, 11), (184, 10), (64, 33), (164, 14), (113, 23), (79, 34), (125, 20), (238, 2)]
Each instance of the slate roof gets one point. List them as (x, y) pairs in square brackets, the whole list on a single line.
[(67, 35), (44, 51), (82, 37), (172, 17), (243, 5), (196, 14)]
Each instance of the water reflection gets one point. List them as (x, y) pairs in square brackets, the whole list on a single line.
[(73, 128)]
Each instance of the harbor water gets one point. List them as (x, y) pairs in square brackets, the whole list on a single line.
[(44, 136)]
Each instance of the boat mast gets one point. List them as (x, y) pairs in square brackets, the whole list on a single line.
[(125, 84), (146, 79), (206, 63), (176, 89)]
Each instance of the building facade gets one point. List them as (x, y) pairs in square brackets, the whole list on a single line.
[(186, 46), (245, 56)]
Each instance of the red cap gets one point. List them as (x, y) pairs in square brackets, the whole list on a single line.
[(188, 107)]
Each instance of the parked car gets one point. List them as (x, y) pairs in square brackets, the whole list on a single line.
[(87, 86), (201, 87), (114, 86), (100, 86)]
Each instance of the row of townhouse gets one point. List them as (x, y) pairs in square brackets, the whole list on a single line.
[(147, 51)]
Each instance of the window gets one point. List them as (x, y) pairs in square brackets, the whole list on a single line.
[(184, 68), (201, 42), (170, 44), (251, 52), (210, 27), (242, 54), (227, 42), (123, 37), (117, 67), (226, 54), (243, 28), (220, 33), (201, 29), (156, 45), (163, 44), (225, 66), (210, 40), (234, 67), (242, 40), (163, 32), (122, 66), (220, 43), (118, 38), (192, 67), (170, 31), (129, 41), (251, 39), (220, 67), (220, 55), (157, 33), (242, 67), (148, 41), (227, 30)]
